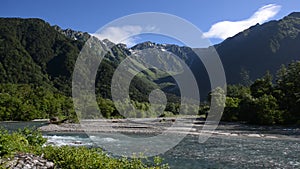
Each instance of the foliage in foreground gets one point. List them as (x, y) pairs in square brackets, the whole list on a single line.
[(83, 157), (22, 141), (30, 141)]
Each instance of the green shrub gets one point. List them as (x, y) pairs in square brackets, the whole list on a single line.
[(34, 137), (11, 143), (82, 157), (26, 140)]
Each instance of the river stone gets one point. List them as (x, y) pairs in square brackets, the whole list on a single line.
[(19, 165), (27, 166), (28, 161), (49, 164)]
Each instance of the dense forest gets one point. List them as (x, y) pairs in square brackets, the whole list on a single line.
[(34, 52), (265, 102)]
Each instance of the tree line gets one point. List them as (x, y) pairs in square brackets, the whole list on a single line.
[(266, 101)]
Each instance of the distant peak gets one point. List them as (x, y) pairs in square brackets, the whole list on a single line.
[(148, 43), (144, 45), (109, 43), (75, 35)]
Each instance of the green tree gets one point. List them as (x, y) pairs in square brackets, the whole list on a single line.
[(267, 111), (231, 111), (262, 86), (238, 91), (288, 91), (106, 107)]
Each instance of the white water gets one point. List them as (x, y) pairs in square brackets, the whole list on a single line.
[(76, 140)]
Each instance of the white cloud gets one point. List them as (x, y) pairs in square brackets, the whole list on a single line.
[(227, 29), (120, 34)]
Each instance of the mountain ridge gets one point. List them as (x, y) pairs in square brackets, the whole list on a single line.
[(52, 52), (273, 41)]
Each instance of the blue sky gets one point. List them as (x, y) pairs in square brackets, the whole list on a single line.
[(89, 16)]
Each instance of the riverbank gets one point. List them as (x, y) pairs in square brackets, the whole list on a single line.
[(26, 149), (184, 126)]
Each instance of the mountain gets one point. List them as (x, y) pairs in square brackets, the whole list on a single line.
[(250, 53), (33, 51), (261, 47)]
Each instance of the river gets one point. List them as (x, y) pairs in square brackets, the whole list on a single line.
[(247, 150)]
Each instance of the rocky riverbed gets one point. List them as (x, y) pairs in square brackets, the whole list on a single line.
[(116, 125), (172, 125), (27, 161)]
